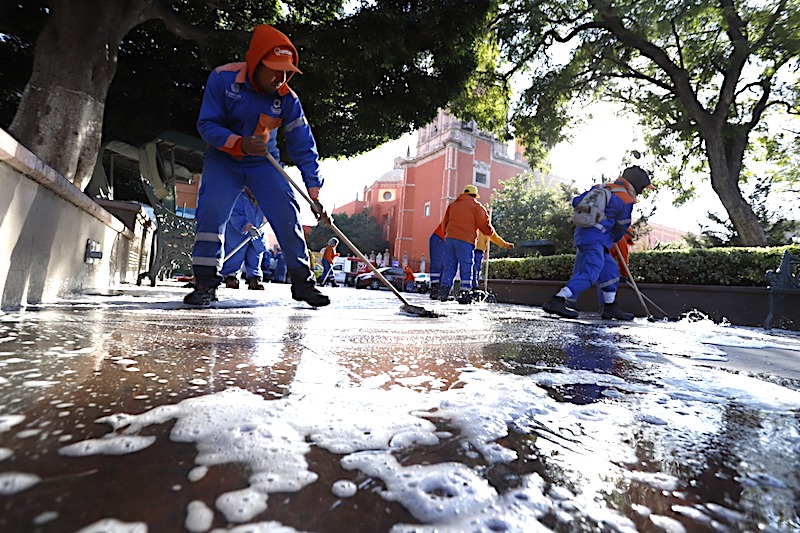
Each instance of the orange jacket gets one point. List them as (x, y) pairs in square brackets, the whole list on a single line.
[(329, 254), (624, 245), (464, 218), (483, 241), (439, 230), (409, 273)]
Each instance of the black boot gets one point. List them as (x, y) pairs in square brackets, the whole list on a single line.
[(557, 305), (304, 288), (231, 282), (434, 291), (444, 293), (201, 296), (612, 311), (254, 283), (465, 297)]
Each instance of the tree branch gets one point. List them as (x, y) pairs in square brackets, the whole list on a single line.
[(677, 42), (680, 78)]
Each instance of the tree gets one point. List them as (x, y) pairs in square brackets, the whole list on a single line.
[(362, 229), (702, 75), (370, 75), (527, 210)]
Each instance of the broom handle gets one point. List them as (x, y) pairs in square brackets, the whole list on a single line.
[(324, 216), (633, 283)]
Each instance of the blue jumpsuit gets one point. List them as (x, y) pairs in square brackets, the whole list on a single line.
[(232, 107), (593, 261), (244, 212)]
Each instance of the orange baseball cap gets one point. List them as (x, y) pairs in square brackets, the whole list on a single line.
[(280, 58)]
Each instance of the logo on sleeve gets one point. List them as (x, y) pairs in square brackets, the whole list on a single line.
[(233, 92)]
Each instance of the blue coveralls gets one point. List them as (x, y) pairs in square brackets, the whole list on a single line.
[(458, 257), (477, 263), (244, 212), (436, 251), (593, 261), (232, 107)]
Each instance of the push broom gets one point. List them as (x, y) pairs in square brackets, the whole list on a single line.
[(323, 216)]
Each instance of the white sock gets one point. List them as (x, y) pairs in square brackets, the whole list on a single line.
[(565, 293)]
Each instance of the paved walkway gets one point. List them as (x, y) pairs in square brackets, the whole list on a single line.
[(131, 412)]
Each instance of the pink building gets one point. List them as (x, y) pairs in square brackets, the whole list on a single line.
[(409, 201)]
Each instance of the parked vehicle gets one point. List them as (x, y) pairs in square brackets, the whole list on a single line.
[(351, 267), (394, 275), (422, 282)]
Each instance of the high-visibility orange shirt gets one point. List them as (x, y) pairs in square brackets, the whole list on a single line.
[(464, 218), (329, 254)]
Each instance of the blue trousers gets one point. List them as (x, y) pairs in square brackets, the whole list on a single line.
[(247, 255), (594, 265), (436, 252), (458, 256), (477, 263), (327, 267), (223, 180)]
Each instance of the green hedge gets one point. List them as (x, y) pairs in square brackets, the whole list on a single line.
[(716, 266)]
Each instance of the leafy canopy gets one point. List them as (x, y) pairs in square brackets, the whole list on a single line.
[(362, 229), (526, 209), (371, 73)]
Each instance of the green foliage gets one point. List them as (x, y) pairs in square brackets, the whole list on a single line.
[(720, 266), (369, 75), (362, 229), (527, 210), (702, 77)]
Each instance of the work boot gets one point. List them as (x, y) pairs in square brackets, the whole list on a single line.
[(304, 289), (254, 283), (434, 291), (465, 297), (557, 305), (444, 293), (612, 311), (479, 295), (231, 282), (201, 296)]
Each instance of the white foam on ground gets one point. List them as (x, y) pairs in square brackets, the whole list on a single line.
[(272, 437), (112, 525), (368, 421), (198, 517), (9, 421), (344, 488), (109, 445), (14, 482)]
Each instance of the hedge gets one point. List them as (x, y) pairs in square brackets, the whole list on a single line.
[(715, 266)]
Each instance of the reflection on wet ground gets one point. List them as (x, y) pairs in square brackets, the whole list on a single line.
[(138, 410)]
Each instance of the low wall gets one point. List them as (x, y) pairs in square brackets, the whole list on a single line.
[(45, 224), (742, 306)]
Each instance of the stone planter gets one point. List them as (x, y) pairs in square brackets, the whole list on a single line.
[(742, 306)]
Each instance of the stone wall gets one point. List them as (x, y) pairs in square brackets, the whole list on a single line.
[(45, 225)]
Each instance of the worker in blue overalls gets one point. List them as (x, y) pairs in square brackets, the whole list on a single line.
[(243, 106)]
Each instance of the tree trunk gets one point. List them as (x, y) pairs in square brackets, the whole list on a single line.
[(60, 114), (725, 162)]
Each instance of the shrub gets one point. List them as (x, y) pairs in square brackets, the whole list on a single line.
[(716, 266)]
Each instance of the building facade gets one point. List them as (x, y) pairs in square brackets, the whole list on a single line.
[(409, 201)]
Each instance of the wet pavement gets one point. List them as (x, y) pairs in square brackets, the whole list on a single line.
[(132, 412)]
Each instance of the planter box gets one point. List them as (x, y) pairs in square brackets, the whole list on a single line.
[(742, 306)]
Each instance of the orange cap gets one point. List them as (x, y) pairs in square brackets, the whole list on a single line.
[(280, 58)]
